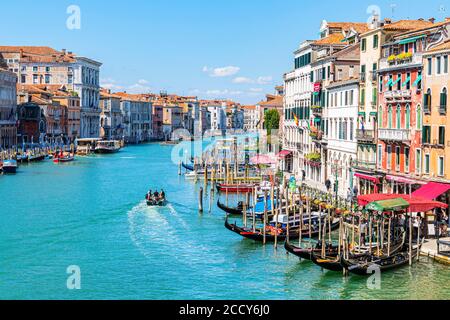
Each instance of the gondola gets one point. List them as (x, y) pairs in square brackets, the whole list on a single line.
[(231, 211), (332, 261), (36, 158), (305, 253), (364, 267), (187, 166), (258, 235)]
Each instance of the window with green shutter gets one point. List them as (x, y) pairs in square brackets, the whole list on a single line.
[(375, 41), (442, 136), (363, 44), (426, 134)]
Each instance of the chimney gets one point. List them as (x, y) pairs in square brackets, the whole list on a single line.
[(387, 21), (63, 51), (447, 19), (432, 20)]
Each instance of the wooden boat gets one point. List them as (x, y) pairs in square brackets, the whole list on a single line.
[(272, 233), (305, 253), (366, 265), (9, 166), (187, 166), (64, 159), (231, 211), (22, 157), (236, 188), (107, 147)]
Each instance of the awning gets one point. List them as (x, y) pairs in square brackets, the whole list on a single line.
[(283, 154), (419, 78), (389, 83), (373, 114), (367, 177), (432, 190), (409, 40), (397, 204), (396, 81), (263, 159), (404, 180), (417, 204), (406, 81), (361, 114)]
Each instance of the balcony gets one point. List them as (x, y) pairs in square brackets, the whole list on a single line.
[(398, 94), (365, 135), (401, 135), (362, 76), (373, 75), (364, 165), (317, 110), (397, 63), (442, 110)]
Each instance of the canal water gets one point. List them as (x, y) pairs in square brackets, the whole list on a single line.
[(90, 214)]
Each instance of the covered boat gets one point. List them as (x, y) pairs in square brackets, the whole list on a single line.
[(105, 147), (9, 166), (64, 159)]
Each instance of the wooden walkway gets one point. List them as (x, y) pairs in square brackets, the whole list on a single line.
[(429, 249)]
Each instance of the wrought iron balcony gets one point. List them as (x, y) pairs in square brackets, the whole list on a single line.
[(394, 135), (365, 165)]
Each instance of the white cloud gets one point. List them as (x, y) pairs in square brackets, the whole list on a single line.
[(256, 90), (222, 71), (143, 82), (110, 84), (264, 80), (242, 80)]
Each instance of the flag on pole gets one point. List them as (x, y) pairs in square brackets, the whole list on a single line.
[(297, 123)]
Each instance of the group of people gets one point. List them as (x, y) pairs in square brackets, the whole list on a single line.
[(156, 196)]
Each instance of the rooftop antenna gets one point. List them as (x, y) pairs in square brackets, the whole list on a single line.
[(393, 6)]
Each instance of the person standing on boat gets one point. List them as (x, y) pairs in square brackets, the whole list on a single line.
[(363, 232), (163, 194), (149, 195)]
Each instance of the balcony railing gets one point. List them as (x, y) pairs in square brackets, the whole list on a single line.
[(393, 134), (373, 75), (317, 110), (368, 165), (398, 94), (386, 64), (362, 76), (365, 135), (442, 110)]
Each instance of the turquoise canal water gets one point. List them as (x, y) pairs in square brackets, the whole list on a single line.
[(90, 213)]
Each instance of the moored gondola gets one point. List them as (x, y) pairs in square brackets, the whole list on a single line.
[(187, 166), (236, 188), (272, 232), (365, 266), (231, 211), (305, 253)]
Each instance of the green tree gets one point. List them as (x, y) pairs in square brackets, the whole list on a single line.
[(271, 121)]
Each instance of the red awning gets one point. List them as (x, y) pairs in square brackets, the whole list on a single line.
[(283, 154), (432, 190), (417, 204), (263, 159), (404, 180), (367, 177)]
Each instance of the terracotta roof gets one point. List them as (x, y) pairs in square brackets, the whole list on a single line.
[(443, 46), (405, 25), (273, 101), (334, 38), (249, 107), (359, 27), (30, 49)]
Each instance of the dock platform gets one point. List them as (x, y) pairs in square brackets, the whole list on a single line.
[(429, 249)]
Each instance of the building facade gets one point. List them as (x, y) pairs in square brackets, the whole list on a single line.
[(8, 107)]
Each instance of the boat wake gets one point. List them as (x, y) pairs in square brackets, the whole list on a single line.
[(155, 231)]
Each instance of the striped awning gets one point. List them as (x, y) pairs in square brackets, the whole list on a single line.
[(419, 78), (409, 40), (406, 81)]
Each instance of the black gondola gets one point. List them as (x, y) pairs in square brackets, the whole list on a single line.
[(187, 166), (305, 253), (365, 267), (332, 262), (232, 211), (259, 235)]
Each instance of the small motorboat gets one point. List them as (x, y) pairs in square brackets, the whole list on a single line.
[(64, 159), (22, 157), (9, 166), (156, 203)]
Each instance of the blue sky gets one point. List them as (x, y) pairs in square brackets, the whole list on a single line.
[(236, 49)]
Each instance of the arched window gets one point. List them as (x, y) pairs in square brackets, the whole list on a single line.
[(390, 117), (427, 101), (419, 117), (408, 117), (398, 117)]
